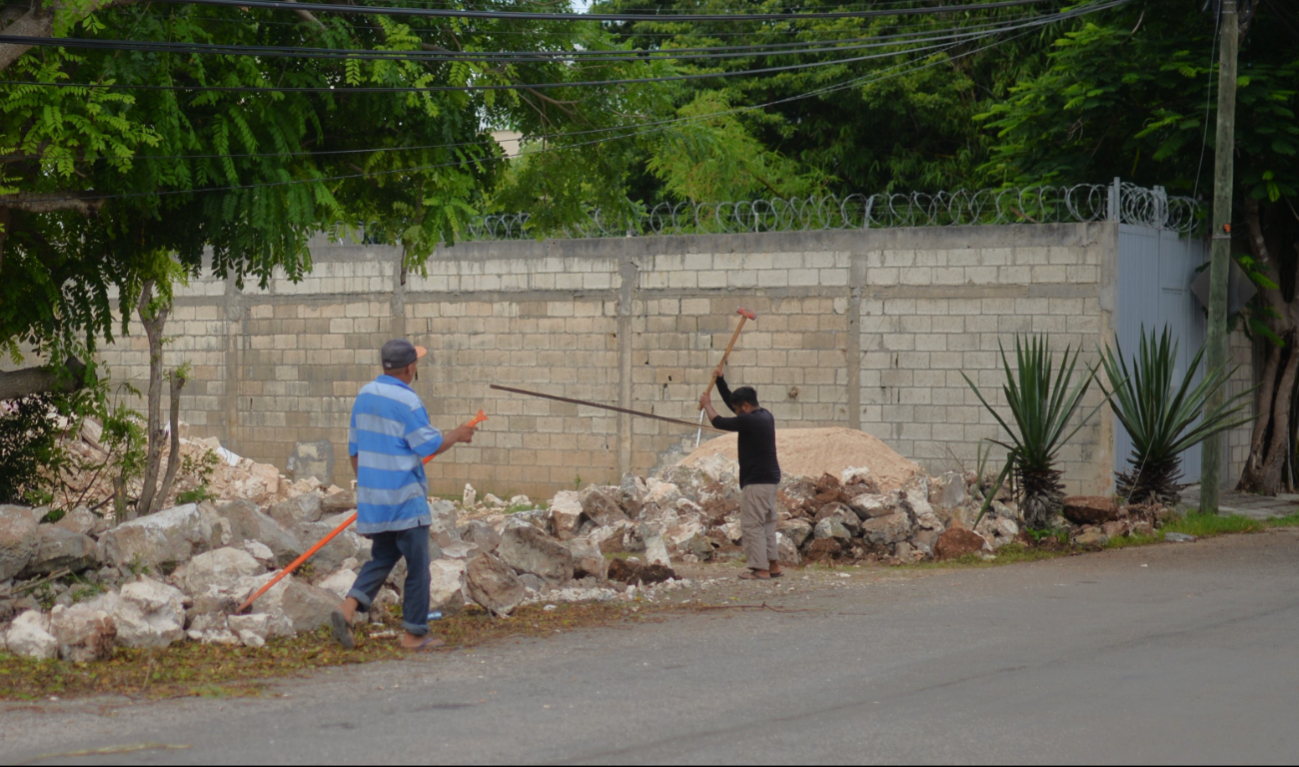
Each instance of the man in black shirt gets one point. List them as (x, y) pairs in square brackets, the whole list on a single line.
[(759, 475)]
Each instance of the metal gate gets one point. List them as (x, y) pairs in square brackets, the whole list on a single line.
[(1155, 270)]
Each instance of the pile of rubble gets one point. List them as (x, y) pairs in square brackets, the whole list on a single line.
[(180, 574)]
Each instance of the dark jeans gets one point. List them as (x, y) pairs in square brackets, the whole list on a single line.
[(387, 548)]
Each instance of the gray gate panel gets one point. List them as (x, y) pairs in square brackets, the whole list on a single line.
[(1155, 270)]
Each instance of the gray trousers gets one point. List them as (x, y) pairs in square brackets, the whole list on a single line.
[(758, 525)]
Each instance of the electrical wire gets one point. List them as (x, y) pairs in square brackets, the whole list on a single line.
[(454, 13), (634, 55), (1041, 21)]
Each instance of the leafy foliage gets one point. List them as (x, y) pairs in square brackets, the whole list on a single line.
[(1163, 416), (1042, 405), (29, 433)]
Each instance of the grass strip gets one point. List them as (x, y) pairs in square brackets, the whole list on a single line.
[(190, 669)]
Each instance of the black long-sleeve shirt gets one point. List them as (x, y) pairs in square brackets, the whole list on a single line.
[(757, 441)]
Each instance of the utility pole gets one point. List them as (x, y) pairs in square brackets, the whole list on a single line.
[(1220, 245)]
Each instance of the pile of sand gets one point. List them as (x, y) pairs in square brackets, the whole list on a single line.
[(813, 452)]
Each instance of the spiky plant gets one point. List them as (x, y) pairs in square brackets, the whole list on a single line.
[(1042, 404), (1161, 415)]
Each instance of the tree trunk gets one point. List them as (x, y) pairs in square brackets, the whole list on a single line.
[(23, 383), (153, 321), (1263, 471), (173, 458), (1270, 443)]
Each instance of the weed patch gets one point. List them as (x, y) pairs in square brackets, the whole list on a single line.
[(1209, 525)]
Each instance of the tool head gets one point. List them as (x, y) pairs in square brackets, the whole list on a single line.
[(746, 313), (478, 418)]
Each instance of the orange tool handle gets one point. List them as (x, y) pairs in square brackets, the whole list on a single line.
[(321, 543)]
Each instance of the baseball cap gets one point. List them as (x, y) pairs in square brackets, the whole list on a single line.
[(398, 353)]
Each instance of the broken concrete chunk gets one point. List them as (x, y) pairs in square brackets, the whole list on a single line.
[(303, 508), (886, 531), (163, 540), (221, 569), (337, 502), (588, 560), (446, 585), (59, 548), (150, 614), (29, 637), (469, 497), (482, 535), (84, 521), (565, 514), (492, 583), (338, 582), (255, 623), (529, 550), (870, 506), (19, 540), (1090, 509), (958, 542), (600, 504), (85, 634), (248, 523)]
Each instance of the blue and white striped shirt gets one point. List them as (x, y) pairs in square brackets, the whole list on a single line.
[(390, 436)]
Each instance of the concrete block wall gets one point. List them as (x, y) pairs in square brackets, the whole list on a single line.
[(864, 329)]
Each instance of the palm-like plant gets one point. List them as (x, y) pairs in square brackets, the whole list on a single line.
[(1042, 403), (1162, 418)]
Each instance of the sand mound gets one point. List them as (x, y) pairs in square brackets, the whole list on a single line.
[(813, 452)]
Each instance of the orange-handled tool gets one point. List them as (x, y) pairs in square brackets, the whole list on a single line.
[(321, 543)]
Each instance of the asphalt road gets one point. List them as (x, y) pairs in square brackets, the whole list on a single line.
[(1175, 653)]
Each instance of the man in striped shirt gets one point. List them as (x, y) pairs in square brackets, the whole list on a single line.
[(389, 440)]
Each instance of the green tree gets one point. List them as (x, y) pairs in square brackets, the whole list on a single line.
[(1130, 95)]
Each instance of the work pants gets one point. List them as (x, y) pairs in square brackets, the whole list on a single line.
[(386, 550), (758, 525)]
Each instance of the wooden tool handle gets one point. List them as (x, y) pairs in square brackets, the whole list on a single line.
[(734, 336)]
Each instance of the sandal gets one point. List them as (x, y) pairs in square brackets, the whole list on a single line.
[(780, 574), (751, 576), (342, 630), (429, 643)]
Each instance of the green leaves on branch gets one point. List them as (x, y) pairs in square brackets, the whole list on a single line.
[(1042, 400), (1163, 416)]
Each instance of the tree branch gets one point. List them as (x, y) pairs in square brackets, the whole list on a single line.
[(86, 205), (22, 383), (39, 22), (1262, 255), (308, 17)]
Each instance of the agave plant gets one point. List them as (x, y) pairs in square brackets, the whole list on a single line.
[(1162, 416), (1042, 403)]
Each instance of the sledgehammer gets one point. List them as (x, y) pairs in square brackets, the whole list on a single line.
[(745, 315), (321, 543)]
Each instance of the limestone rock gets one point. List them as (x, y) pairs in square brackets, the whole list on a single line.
[(482, 535), (797, 531), (600, 504), (84, 521), (303, 508), (257, 624), (469, 497), (530, 551), (346, 545), (1006, 528), (958, 542), (1143, 529), (656, 551), (308, 607), (85, 634), (1091, 538), (788, 550), (29, 637), (150, 614), (888, 530), (248, 523), (446, 585), (661, 493), (338, 582), (1090, 509), (60, 548), (161, 540), (611, 538), (588, 560), (566, 514), (492, 502), (261, 552), (337, 502), (832, 527), (221, 569), (871, 506), (1117, 528), (492, 583), (19, 540), (443, 529), (462, 550)]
